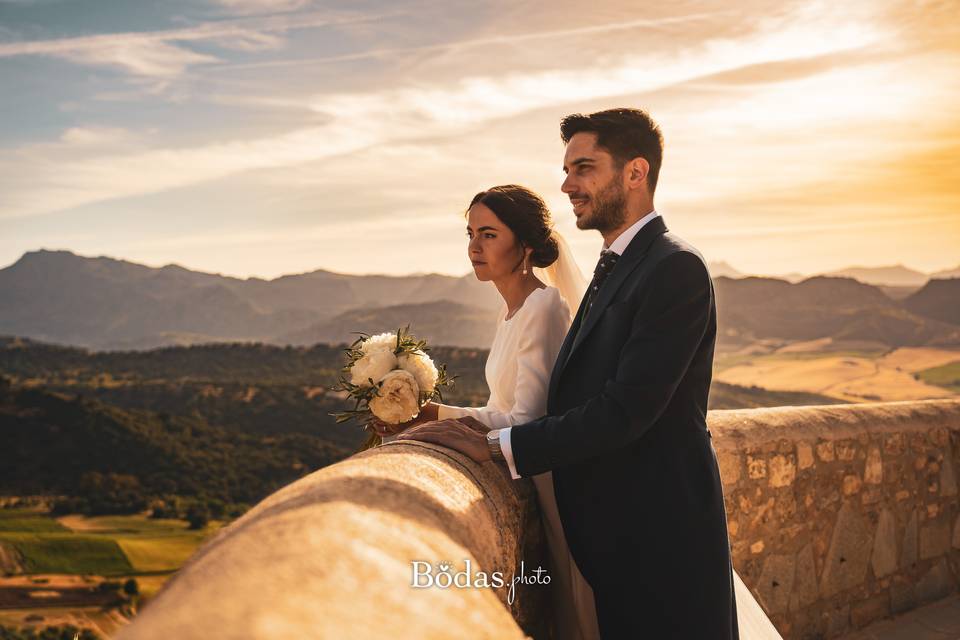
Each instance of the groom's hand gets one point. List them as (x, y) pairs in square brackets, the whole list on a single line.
[(474, 424), (453, 434)]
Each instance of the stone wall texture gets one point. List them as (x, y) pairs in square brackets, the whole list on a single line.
[(843, 514)]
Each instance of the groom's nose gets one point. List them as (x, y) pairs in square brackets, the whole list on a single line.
[(567, 187)]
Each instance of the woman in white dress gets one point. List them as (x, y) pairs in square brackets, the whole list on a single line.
[(512, 244)]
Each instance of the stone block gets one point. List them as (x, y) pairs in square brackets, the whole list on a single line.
[(729, 467), (866, 611), (805, 583), (884, 559), (903, 597), (846, 450), (836, 620), (756, 468), (848, 557), (825, 451), (948, 478), (804, 455), (934, 539), (894, 444), (782, 470), (873, 471), (776, 582), (851, 484), (908, 552), (936, 583)]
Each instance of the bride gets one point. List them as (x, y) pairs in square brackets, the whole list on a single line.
[(512, 244)]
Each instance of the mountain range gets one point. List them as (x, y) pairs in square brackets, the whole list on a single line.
[(107, 303)]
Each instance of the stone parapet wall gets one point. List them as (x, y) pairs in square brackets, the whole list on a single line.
[(329, 556), (843, 514)]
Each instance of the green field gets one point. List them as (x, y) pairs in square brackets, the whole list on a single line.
[(69, 553), (28, 521), (947, 376), (102, 545)]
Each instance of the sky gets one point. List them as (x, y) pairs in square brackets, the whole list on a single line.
[(270, 137)]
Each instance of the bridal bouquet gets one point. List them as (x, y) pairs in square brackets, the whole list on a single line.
[(389, 376)]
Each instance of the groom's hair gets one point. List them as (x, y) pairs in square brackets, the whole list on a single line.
[(624, 133)]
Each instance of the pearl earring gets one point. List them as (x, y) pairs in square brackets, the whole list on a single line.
[(524, 265)]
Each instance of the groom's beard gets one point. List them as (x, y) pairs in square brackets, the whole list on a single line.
[(609, 209)]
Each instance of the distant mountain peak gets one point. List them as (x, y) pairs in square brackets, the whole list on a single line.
[(894, 275)]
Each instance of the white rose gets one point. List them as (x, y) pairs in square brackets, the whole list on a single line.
[(421, 366), (379, 342), (399, 398), (372, 366)]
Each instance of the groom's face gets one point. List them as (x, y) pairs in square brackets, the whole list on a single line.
[(594, 184)]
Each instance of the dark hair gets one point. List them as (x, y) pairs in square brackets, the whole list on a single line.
[(624, 133), (527, 215)]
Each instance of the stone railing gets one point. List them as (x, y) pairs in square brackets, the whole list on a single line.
[(331, 556), (838, 515), (843, 514)]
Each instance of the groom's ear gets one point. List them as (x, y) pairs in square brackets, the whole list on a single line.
[(636, 173)]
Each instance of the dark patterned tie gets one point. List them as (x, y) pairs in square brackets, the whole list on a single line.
[(608, 259)]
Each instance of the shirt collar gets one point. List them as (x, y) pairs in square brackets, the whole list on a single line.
[(620, 244)]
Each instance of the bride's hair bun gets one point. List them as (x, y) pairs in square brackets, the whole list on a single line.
[(527, 215)]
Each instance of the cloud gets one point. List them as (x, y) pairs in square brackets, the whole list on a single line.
[(163, 54), (360, 120), (246, 7), (95, 136), (499, 40)]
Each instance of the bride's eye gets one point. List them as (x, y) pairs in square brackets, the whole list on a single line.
[(489, 235)]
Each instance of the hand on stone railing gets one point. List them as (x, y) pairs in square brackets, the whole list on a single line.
[(386, 429)]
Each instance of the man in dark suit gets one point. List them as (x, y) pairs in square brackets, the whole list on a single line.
[(635, 474)]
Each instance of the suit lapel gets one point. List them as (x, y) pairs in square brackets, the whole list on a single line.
[(565, 348), (631, 257)]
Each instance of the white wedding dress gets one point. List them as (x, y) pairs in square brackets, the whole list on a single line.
[(518, 370)]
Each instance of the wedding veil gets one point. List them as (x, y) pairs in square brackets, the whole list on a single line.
[(565, 275)]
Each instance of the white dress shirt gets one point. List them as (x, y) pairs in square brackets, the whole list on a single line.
[(618, 246)]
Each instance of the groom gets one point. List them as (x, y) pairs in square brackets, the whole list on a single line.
[(635, 474)]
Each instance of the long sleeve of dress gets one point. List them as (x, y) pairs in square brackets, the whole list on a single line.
[(541, 330)]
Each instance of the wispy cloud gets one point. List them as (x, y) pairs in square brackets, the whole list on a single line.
[(360, 120), (486, 41), (263, 6), (164, 54)]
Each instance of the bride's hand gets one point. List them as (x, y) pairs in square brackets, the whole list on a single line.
[(384, 429)]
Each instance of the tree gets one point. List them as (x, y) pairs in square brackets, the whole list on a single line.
[(198, 515), (131, 588)]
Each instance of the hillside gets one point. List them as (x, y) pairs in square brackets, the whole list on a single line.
[(753, 308), (442, 323), (105, 303), (51, 440), (938, 299)]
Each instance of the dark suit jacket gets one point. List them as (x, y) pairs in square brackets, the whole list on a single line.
[(635, 474)]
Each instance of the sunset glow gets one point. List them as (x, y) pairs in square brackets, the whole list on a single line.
[(258, 138)]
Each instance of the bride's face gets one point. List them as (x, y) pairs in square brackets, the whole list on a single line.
[(493, 248)]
